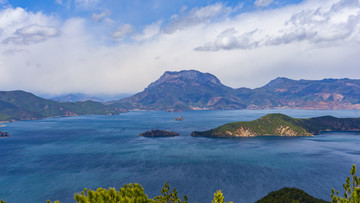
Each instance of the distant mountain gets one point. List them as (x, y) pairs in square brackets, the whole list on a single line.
[(182, 91), (76, 98), (282, 125), (20, 105), (193, 90)]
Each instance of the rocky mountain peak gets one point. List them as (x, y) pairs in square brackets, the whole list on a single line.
[(186, 75), (279, 81)]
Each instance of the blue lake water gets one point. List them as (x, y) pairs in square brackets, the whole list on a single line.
[(57, 157)]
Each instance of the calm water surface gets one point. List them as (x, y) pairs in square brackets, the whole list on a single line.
[(57, 157)]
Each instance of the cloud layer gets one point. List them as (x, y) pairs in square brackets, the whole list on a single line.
[(311, 40)]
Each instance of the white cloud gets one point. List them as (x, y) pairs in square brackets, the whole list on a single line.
[(100, 16), (319, 25), (196, 16), (31, 34), (227, 40), (122, 31), (21, 27), (59, 2), (263, 3), (149, 32), (312, 40), (86, 4)]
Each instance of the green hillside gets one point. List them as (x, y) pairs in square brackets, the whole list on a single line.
[(289, 195), (20, 105), (282, 125)]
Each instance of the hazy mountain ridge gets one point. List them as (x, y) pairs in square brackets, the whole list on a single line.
[(76, 98), (193, 90)]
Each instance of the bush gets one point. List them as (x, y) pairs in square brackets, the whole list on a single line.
[(351, 187)]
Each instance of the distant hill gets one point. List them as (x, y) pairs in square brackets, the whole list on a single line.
[(76, 98), (79, 97), (289, 195), (282, 125), (20, 105), (194, 90)]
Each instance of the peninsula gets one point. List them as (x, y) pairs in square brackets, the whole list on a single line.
[(282, 125)]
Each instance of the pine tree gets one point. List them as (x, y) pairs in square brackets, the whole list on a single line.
[(351, 187)]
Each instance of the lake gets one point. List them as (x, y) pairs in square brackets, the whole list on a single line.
[(56, 157)]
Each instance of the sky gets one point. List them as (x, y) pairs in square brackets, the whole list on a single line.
[(121, 46)]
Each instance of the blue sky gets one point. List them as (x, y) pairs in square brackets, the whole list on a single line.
[(120, 46)]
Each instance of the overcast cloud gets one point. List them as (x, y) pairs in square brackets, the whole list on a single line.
[(312, 40)]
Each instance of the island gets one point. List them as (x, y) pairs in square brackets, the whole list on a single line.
[(4, 134), (158, 133), (180, 118), (282, 125)]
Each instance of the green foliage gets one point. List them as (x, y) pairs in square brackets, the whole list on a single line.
[(168, 196), (1, 201), (48, 201), (289, 195), (129, 193), (271, 124), (219, 197), (351, 187)]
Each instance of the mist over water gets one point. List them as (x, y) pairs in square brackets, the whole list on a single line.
[(57, 157)]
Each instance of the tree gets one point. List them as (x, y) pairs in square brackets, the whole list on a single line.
[(219, 197), (351, 187), (129, 193), (169, 197)]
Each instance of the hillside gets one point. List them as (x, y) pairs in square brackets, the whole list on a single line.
[(194, 90), (286, 194), (282, 125), (20, 105)]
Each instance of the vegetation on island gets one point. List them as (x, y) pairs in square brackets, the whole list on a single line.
[(282, 125)]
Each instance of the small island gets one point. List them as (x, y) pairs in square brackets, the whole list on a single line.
[(282, 125), (180, 118), (158, 133), (4, 134)]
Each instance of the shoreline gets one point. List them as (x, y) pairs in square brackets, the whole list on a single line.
[(144, 110)]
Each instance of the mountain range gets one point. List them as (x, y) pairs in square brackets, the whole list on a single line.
[(193, 90)]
